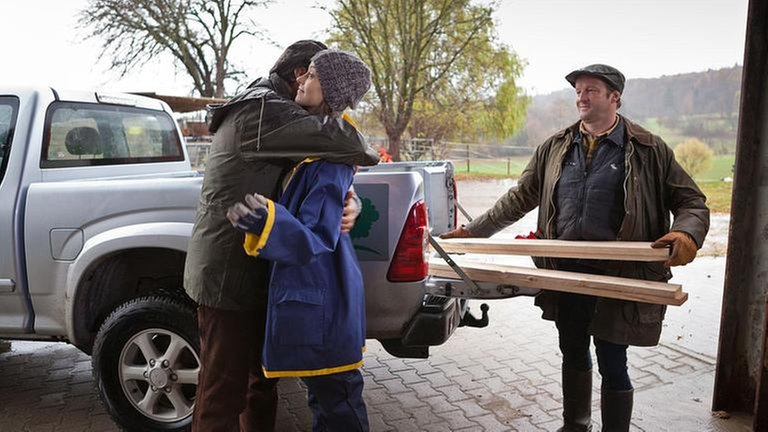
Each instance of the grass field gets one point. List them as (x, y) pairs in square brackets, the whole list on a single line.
[(722, 166), (717, 191)]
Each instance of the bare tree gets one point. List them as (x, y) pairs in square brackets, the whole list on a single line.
[(199, 34), (409, 46)]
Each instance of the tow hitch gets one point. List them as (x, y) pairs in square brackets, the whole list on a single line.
[(468, 320)]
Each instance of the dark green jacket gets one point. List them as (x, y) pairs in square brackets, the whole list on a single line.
[(655, 185), (259, 135)]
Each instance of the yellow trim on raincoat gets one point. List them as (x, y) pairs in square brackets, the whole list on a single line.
[(254, 243), (313, 372)]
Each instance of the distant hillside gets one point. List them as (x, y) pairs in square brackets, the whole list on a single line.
[(703, 105)]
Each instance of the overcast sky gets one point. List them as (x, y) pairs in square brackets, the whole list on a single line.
[(644, 38)]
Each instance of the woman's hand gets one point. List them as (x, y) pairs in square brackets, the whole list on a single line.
[(352, 209)]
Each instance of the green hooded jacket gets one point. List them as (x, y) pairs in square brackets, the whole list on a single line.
[(259, 135)]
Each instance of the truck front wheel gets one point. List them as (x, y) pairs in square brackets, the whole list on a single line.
[(145, 364)]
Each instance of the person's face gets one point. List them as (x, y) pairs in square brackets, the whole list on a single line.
[(309, 94), (595, 101)]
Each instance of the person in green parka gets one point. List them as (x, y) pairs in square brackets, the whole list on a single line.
[(259, 135)]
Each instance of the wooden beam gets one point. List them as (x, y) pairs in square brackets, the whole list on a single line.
[(556, 280), (604, 250)]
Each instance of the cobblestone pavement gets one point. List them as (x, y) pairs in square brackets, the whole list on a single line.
[(504, 377)]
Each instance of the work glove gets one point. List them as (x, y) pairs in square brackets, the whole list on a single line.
[(460, 232), (352, 208), (683, 248), (251, 216)]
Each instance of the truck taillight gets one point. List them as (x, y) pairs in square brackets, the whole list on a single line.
[(409, 263)]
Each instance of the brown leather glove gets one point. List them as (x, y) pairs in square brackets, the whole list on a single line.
[(460, 232), (683, 248)]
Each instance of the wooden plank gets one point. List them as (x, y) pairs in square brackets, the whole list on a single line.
[(605, 250), (556, 280)]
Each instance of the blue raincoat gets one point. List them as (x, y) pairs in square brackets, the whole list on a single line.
[(316, 312)]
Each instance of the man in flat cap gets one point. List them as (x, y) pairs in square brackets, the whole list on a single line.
[(602, 178), (259, 135)]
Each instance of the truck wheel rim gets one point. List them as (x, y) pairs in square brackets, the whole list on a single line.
[(158, 374)]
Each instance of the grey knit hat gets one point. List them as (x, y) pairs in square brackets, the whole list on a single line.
[(343, 77)]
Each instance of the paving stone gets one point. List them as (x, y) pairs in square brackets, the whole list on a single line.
[(471, 408), (453, 393), (457, 420), (440, 404), (410, 377), (409, 400), (490, 423), (394, 386), (424, 390), (376, 423), (392, 411), (537, 415), (546, 402), (451, 370), (443, 426), (406, 425), (523, 424), (380, 373), (503, 377), (395, 364), (468, 382), (516, 400), (438, 379), (423, 367), (424, 416), (377, 396)]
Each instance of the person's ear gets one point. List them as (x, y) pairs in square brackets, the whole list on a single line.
[(299, 71)]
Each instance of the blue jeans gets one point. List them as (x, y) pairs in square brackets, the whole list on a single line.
[(336, 402), (573, 319)]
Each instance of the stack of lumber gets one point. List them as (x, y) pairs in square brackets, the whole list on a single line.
[(556, 280), (603, 250)]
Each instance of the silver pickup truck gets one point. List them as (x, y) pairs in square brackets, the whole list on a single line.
[(97, 203)]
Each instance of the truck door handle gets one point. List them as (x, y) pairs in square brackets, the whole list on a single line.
[(7, 285)]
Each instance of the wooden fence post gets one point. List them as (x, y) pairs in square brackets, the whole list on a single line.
[(467, 158)]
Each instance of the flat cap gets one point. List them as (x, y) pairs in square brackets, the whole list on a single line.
[(609, 74)]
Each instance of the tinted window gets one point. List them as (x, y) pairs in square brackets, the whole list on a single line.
[(8, 110), (79, 134)]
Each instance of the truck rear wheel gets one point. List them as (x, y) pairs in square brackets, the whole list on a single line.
[(145, 364)]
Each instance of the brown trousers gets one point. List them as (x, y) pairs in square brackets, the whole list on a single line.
[(232, 392)]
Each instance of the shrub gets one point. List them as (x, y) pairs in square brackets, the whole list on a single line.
[(694, 156)]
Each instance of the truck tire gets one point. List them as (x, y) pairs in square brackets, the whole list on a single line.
[(145, 364)]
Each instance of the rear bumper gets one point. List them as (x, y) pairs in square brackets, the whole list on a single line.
[(433, 324), (440, 314)]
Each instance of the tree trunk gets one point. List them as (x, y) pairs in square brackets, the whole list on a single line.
[(394, 132), (394, 145), (220, 72)]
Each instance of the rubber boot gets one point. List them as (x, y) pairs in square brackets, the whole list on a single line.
[(616, 407), (577, 401)]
